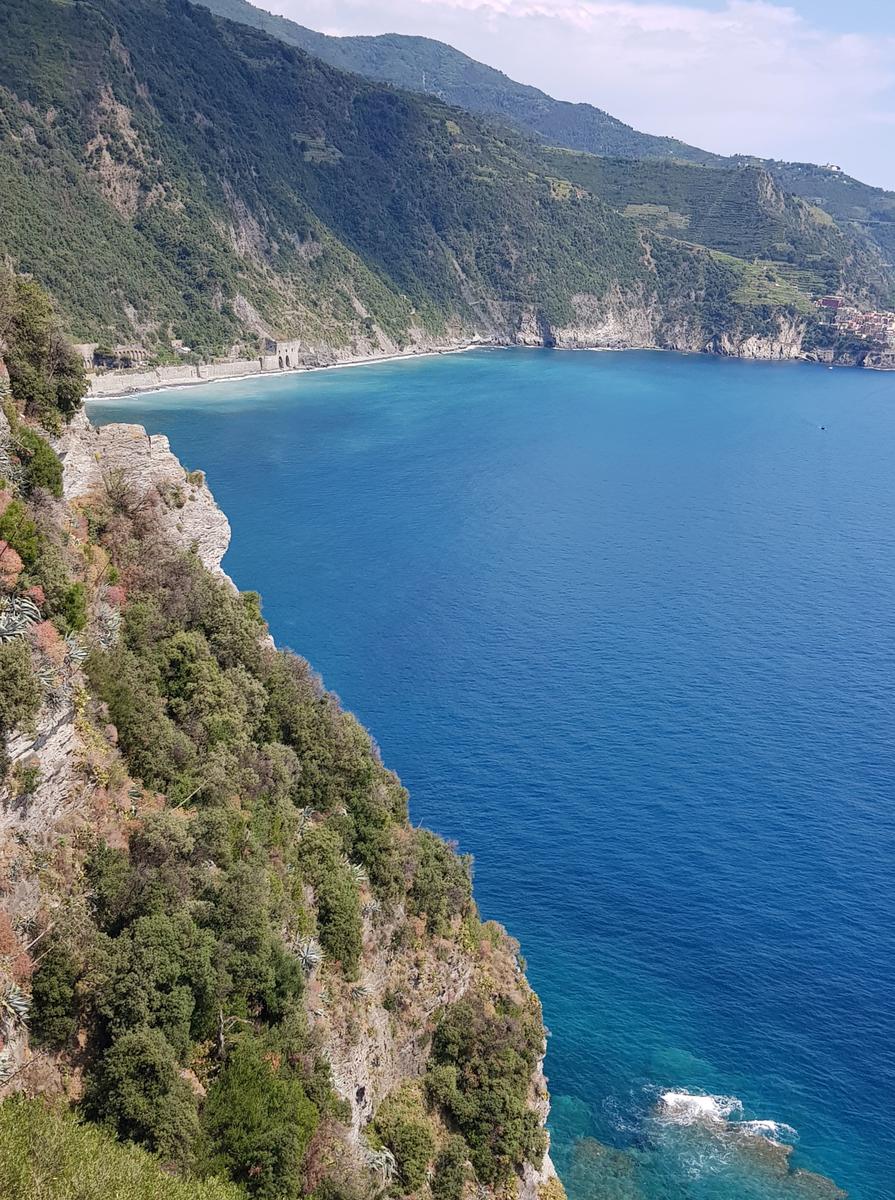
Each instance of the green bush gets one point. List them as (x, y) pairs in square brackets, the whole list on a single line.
[(46, 376), (74, 608), (258, 1121), (19, 689), (19, 693), (339, 918), (401, 1125), (480, 1070), (42, 466), (449, 1178), (18, 528), (53, 1014), (442, 887), (137, 1092), (47, 1153), (159, 974)]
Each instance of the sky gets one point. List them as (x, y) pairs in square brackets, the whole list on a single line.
[(809, 80)]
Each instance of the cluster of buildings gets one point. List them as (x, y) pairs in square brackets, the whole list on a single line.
[(274, 356), (870, 325), (874, 328)]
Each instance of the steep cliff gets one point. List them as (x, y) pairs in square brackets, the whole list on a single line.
[(126, 828)]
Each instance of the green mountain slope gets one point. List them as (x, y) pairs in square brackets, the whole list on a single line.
[(739, 210), (424, 65), (239, 187)]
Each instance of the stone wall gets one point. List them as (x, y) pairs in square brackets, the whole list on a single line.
[(116, 383)]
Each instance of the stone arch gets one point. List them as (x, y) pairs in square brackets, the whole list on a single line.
[(288, 363), (281, 362)]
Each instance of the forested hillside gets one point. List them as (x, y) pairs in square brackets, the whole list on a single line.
[(742, 211), (240, 187), (424, 65)]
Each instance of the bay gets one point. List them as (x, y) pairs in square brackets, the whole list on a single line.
[(623, 625)]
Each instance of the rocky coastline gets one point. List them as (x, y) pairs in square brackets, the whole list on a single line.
[(372, 1048), (615, 325)]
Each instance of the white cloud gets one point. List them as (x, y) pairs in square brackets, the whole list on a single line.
[(750, 75)]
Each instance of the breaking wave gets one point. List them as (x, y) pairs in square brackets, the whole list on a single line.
[(720, 1113)]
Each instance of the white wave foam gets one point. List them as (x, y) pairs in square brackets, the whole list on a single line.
[(688, 1108), (718, 1112), (774, 1131)]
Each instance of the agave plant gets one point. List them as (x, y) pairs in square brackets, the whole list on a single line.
[(108, 626), (56, 690), (7, 1067), (309, 954), (14, 1007), (307, 815), (10, 468), (17, 616), (360, 991), (382, 1161), (357, 872), (75, 650)]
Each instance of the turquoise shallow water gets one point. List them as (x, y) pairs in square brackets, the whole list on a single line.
[(623, 624)]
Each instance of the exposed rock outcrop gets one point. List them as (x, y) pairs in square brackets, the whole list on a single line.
[(94, 459)]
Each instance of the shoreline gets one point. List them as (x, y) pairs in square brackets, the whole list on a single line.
[(367, 360), (463, 348)]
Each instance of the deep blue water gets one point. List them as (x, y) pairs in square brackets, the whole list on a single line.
[(623, 623)]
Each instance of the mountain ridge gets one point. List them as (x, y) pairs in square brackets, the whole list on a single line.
[(425, 64), (245, 188)]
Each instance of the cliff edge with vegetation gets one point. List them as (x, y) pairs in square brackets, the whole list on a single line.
[(229, 965)]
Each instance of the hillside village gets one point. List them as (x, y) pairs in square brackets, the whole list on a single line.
[(874, 327)]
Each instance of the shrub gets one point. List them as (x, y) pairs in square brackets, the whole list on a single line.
[(42, 466), (73, 611), (46, 1152), (53, 1018), (19, 689), (45, 374), (19, 530), (19, 693), (159, 974), (480, 1069), (259, 1122), (449, 1178), (442, 887), (137, 1092), (339, 917), (401, 1125)]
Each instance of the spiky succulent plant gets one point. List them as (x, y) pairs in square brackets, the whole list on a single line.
[(14, 1007), (17, 616), (75, 650), (10, 468), (382, 1161), (108, 626), (309, 954), (7, 1067), (357, 872)]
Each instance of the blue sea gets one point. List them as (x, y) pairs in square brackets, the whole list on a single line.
[(625, 626)]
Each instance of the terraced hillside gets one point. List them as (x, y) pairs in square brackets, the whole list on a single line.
[(741, 211)]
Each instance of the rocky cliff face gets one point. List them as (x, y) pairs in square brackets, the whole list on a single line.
[(373, 1042)]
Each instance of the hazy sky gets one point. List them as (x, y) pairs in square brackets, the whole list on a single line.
[(811, 80)]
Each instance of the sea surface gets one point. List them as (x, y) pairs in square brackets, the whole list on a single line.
[(624, 625)]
